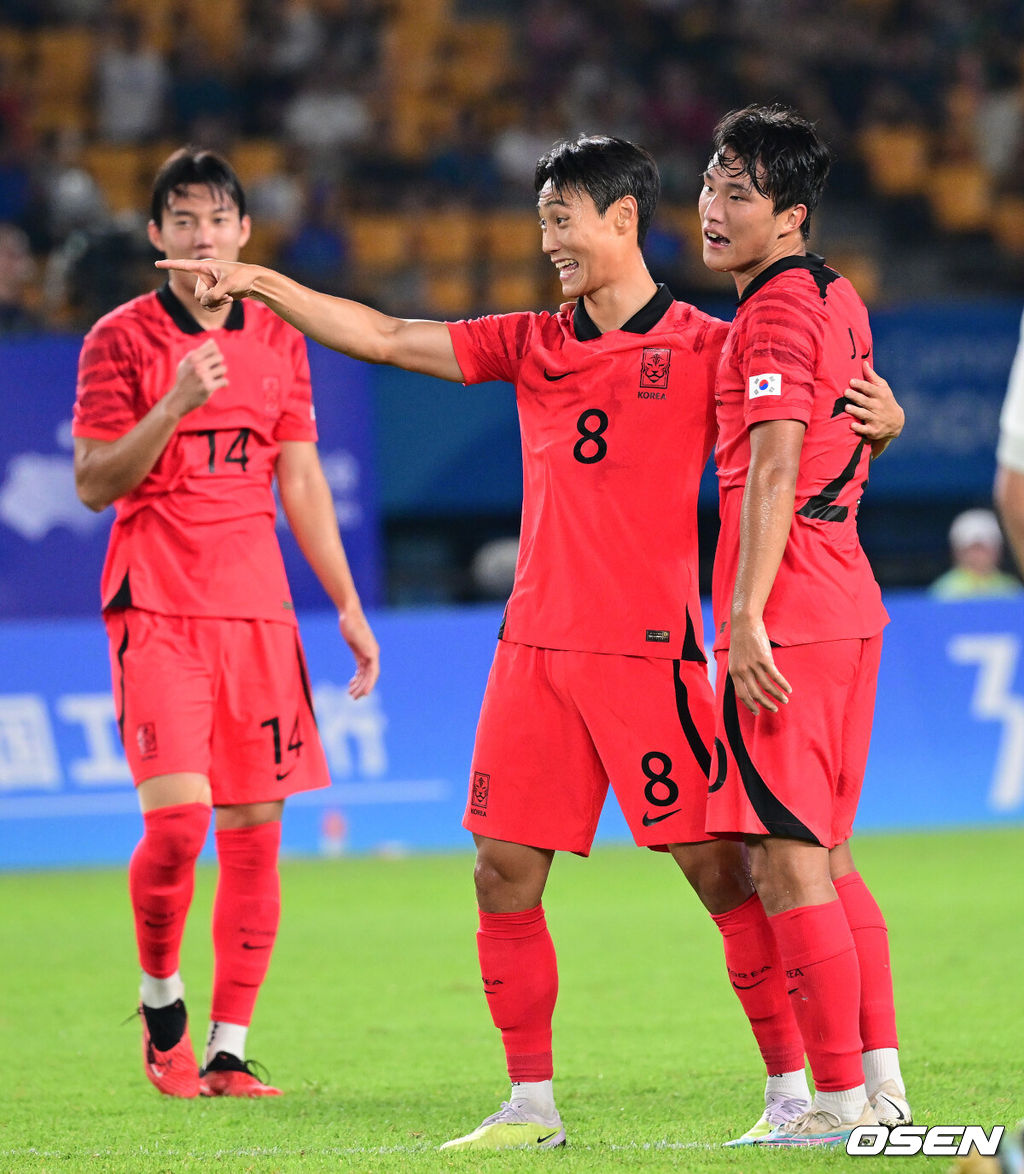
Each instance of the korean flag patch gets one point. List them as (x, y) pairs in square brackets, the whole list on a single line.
[(758, 385)]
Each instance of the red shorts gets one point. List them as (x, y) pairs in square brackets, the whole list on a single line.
[(797, 773), (556, 727), (228, 699)]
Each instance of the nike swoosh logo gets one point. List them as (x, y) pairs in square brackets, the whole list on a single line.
[(897, 1111), (740, 987), (285, 775), (652, 819), (547, 1137), (250, 946), (554, 378)]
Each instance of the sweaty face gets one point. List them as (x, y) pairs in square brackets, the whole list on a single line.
[(741, 233), (580, 242), (200, 222)]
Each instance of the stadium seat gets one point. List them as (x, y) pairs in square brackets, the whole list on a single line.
[(450, 291), (511, 236), (896, 158), (960, 197), (379, 242), (447, 236), (254, 159), (118, 169), (1008, 223), (518, 288)]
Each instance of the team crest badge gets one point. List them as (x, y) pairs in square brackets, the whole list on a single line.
[(654, 366), (481, 789), (145, 736)]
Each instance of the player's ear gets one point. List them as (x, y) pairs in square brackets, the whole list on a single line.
[(246, 232), (156, 237), (791, 219), (626, 211)]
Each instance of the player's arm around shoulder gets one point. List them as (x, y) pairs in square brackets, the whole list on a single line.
[(309, 507), (339, 323), (876, 416)]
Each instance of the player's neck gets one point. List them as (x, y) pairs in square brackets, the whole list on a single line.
[(744, 277), (611, 306)]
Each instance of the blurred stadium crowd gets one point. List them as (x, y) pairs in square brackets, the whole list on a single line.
[(388, 145)]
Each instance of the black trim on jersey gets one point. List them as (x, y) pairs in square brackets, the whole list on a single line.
[(769, 809), (839, 406), (122, 596), (822, 505), (504, 621), (642, 322), (815, 265), (700, 752), (691, 649), (306, 690), (120, 661), (184, 320)]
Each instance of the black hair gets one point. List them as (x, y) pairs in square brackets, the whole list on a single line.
[(192, 166), (606, 169), (779, 151)]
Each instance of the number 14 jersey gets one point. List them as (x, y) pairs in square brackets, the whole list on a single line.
[(616, 430), (196, 537)]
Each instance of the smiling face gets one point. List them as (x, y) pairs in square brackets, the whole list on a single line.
[(743, 234), (585, 247)]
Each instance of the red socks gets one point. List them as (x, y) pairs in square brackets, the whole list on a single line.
[(246, 912), (871, 938), (517, 963), (756, 974), (823, 982), (161, 877)]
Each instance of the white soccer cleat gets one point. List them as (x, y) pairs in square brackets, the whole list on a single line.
[(514, 1127), (890, 1105), (818, 1127), (779, 1110)]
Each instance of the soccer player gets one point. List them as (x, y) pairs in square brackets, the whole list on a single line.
[(1009, 488), (184, 417), (798, 614), (599, 672)]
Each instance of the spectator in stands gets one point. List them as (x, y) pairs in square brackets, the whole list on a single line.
[(976, 546), (132, 81), (17, 270)]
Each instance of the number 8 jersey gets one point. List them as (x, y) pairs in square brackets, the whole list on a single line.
[(196, 537), (616, 430)]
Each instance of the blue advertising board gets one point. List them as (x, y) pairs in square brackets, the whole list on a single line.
[(948, 747), (52, 547)]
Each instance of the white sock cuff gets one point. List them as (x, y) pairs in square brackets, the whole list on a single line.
[(225, 1037), (161, 992)]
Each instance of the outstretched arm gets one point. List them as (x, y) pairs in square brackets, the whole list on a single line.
[(338, 323), (877, 417)]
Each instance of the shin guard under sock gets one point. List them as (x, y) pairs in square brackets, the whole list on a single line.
[(520, 974), (871, 938), (246, 912), (161, 878), (823, 983), (755, 971)]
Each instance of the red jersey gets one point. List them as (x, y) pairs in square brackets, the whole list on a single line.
[(616, 429), (196, 537), (799, 335)]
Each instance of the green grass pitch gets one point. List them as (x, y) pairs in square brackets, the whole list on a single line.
[(373, 1021)]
